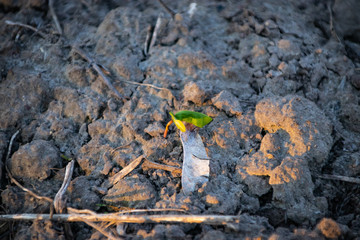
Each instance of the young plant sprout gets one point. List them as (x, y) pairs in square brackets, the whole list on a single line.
[(194, 118), (196, 163)]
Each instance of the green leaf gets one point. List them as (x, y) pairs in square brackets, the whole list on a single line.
[(196, 118)]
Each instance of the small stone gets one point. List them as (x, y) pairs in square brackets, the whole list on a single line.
[(211, 199), (131, 192), (270, 24), (329, 228), (227, 102), (259, 28), (154, 129), (76, 75), (194, 92), (112, 104), (83, 195), (174, 232), (355, 81), (214, 235), (287, 50)]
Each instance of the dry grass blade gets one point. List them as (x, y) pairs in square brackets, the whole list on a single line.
[(147, 40), (170, 11), (80, 211), (146, 85), (10, 145), (340, 178), (59, 201), (11, 23), (115, 218), (151, 210), (53, 14), (98, 69), (156, 31), (120, 147), (176, 171), (332, 28), (102, 230), (126, 170)]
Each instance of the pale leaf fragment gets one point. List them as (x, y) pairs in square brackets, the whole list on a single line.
[(196, 162)]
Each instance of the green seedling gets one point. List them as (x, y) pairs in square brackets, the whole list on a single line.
[(195, 118)]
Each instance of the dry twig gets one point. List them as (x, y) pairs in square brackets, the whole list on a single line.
[(11, 23), (59, 200), (146, 85), (340, 178), (147, 40), (53, 14), (120, 147), (98, 69), (102, 230), (116, 218), (28, 190), (156, 31), (87, 211), (170, 11), (10, 145), (176, 171), (126, 170), (332, 28)]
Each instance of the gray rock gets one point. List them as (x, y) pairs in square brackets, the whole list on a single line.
[(308, 127), (227, 102), (131, 192), (35, 160), (214, 235), (288, 49), (196, 92), (81, 194), (23, 95), (299, 137), (155, 129), (254, 48)]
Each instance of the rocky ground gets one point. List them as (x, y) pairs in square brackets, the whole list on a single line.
[(280, 78)]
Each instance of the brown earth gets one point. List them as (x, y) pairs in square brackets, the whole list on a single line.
[(281, 80)]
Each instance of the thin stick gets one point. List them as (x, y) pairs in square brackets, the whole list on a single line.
[(147, 40), (59, 200), (149, 164), (205, 219), (10, 144), (340, 178), (98, 70), (102, 230), (332, 29), (120, 147), (87, 211), (170, 11), (53, 14), (28, 190), (126, 170), (11, 23), (145, 84), (152, 210), (156, 31)]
